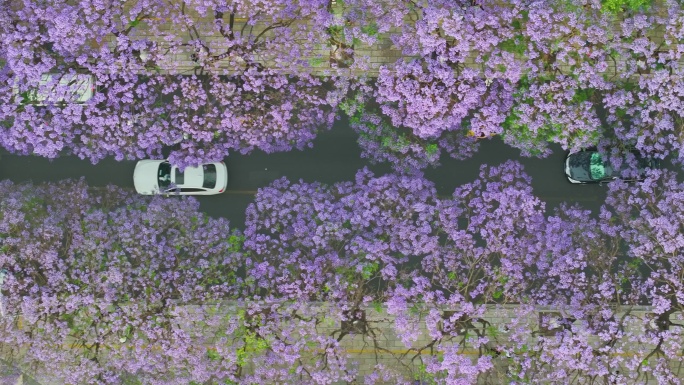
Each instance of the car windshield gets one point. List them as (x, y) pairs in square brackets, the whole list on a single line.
[(209, 176), (164, 175), (598, 170)]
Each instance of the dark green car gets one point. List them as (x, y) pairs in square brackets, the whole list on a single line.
[(590, 166)]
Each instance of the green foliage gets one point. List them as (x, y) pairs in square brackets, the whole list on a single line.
[(29, 96), (515, 45), (369, 270), (316, 61), (513, 127), (397, 143), (370, 30), (353, 107), (236, 242), (635, 263), (213, 355), (414, 309), (492, 331), (336, 31), (130, 380), (582, 95), (125, 334), (253, 345), (502, 279), (423, 376), (34, 203), (616, 6), (134, 23)]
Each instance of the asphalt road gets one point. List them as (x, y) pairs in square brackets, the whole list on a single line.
[(334, 157)]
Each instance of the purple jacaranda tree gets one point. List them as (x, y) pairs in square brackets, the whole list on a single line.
[(223, 77), (645, 109), (648, 218), (595, 273), (534, 72), (574, 273), (340, 245), (486, 234), (499, 250), (491, 68), (382, 142), (434, 104), (99, 285)]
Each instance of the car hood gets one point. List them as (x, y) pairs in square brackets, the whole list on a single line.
[(145, 176)]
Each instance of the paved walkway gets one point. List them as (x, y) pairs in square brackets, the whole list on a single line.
[(382, 52), (392, 352)]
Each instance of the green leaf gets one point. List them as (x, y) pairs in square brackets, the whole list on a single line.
[(213, 355), (582, 95), (369, 270), (431, 149), (370, 29), (515, 45), (236, 242), (317, 61), (616, 6)]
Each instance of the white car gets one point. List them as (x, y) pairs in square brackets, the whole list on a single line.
[(160, 177)]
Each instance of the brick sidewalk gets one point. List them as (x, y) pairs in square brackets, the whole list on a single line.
[(383, 52), (392, 352)]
